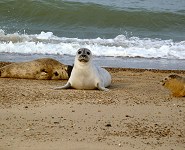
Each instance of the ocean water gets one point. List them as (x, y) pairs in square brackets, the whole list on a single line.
[(134, 33)]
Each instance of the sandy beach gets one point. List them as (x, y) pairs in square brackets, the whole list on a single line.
[(136, 114)]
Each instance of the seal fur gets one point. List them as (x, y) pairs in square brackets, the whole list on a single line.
[(41, 69), (85, 75), (176, 84)]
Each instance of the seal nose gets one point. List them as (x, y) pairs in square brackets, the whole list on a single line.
[(83, 55), (162, 82)]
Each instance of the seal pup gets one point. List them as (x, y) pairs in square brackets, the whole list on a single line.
[(41, 69), (176, 84), (85, 75)]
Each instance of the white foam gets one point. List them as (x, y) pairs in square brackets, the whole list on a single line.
[(120, 46)]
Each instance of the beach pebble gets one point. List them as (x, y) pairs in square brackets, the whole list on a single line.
[(108, 125)]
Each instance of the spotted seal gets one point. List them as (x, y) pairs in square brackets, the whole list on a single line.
[(176, 84), (41, 69)]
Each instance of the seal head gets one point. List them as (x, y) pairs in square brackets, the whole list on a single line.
[(83, 55), (166, 81)]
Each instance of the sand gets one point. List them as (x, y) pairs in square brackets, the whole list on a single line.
[(136, 114)]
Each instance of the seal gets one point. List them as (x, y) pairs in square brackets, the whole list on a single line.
[(176, 84), (85, 75), (41, 69)]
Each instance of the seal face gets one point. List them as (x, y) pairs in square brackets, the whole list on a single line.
[(83, 55), (176, 84), (85, 75), (42, 69)]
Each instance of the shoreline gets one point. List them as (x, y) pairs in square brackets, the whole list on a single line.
[(110, 62), (114, 69), (136, 113)]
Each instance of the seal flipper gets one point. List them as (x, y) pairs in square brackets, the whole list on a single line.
[(101, 88), (67, 86)]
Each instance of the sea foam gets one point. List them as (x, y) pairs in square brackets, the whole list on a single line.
[(120, 46)]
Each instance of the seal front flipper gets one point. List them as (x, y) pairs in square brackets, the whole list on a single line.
[(101, 88), (67, 86)]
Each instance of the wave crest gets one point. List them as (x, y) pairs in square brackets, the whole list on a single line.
[(120, 46)]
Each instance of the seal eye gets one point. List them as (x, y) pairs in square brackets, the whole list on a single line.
[(56, 73), (88, 53), (79, 52), (44, 70)]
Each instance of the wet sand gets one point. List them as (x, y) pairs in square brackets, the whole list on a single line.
[(136, 114)]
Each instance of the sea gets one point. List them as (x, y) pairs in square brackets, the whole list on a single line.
[(120, 33)]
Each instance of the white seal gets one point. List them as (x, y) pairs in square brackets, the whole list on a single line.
[(85, 75)]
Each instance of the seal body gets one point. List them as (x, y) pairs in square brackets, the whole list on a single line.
[(42, 69), (85, 75), (176, 84)]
